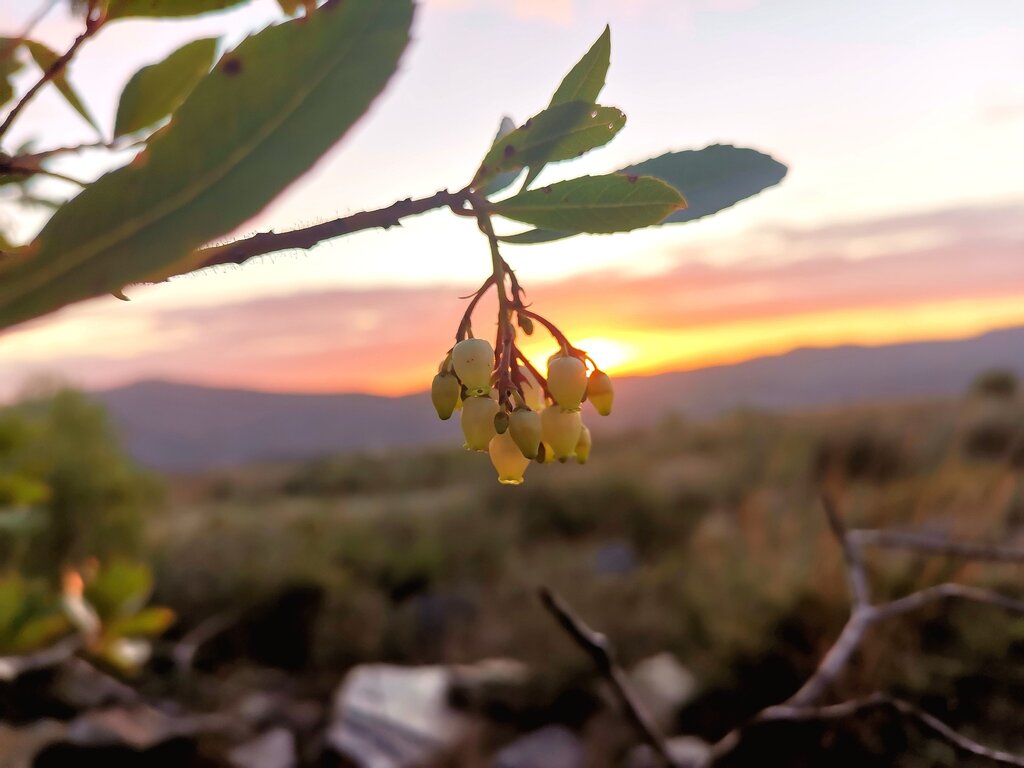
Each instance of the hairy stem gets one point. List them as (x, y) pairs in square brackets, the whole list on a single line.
[(263, 243)]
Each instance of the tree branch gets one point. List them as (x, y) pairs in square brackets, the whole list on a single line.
[(803, 705), (947, 591), (936, 545), (12, 667), (598, 647), (263, 243), (854, 707), (92, 26)]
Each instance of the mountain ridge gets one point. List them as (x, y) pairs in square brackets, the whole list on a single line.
[(182, 427)]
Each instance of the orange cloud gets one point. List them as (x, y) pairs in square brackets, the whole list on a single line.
[(966, 279)]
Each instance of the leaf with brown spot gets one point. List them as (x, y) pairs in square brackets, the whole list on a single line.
[(558, 133), (234, 144)]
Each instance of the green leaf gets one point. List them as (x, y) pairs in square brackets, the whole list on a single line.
[(583, 83), (156, 91), (585, 80), (290, 7), (559, 133), (533, 236), (9, 66), (599, 204), (149, 622), (44, 59), (122, 9), (39, 632), (119, 589), (256, 123), (713, 178), (504, 179)]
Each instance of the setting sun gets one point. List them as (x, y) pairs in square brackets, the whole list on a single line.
[(610, 355)]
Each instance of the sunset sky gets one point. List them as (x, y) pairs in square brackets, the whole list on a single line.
[(902, 216)]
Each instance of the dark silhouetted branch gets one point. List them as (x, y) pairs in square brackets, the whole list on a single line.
[(598, 647), (303, 239)]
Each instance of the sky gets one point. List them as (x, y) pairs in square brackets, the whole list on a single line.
[(902, 217)]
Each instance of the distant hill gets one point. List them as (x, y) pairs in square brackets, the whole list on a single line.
[(183, 427)]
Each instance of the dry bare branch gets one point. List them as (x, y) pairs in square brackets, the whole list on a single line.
[(928, 544), (600, 649), (803, 705)]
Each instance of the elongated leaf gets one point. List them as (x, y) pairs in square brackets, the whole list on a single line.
[(119, 589), (583, 83), (585, 80), (713, 178), (504, 179), (123, 9), (156, 91), (9, 66), (256, 123), (44, 59), (559, 133), (533, 236), (40, 632), (149, 622), (599, 204)]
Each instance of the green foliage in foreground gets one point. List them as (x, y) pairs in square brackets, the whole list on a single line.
[(67, 491), (243, 129)]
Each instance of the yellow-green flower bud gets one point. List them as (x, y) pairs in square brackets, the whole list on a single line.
[(525, 428), (444, 392), (600, 392), (561, 431), (478, 422), (567, 381), (473, 360), (583, 445), (507, 459)]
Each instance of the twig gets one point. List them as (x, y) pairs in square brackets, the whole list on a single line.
[(803, 705), (185, 651), (598, 647), (92, 26), (268, 242), (947, 591), (20, 170), (936, 545), (12, 667), (853, 707), (860, 590)]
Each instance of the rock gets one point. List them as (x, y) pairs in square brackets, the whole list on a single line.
[(551, 747), (272, 749), (686, 752), (495, 687), (19, 745), (387, 716), (663, 686), (615, 558)]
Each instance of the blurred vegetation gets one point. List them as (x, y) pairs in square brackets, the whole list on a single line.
[(67, 492), (704, 539)]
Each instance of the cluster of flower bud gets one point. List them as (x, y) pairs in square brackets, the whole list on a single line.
[(536, 419)]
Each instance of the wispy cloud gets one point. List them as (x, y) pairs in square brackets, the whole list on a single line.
[(966, 276)]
